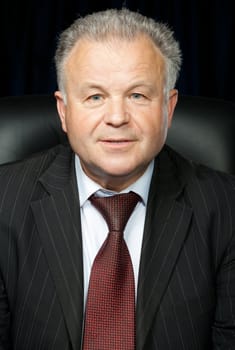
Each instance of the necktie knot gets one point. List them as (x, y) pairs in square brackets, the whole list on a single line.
[(116, 209)]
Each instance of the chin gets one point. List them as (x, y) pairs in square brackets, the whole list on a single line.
[(125, 172), (117, 173)]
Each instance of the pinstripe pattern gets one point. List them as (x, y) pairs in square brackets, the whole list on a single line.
[(44, 314), (186, 290), (179, 305)]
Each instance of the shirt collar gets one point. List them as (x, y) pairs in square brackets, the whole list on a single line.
[(87, 186)]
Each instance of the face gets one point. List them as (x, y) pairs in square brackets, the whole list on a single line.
[(115, 114)]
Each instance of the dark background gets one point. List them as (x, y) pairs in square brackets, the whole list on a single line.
[(205, 30)]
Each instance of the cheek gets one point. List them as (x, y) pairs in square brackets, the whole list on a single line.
[(75, 119), (77, 130), (81, 129), (154, 132), (153, 125)]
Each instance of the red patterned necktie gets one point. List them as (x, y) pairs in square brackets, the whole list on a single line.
[(110, 308)]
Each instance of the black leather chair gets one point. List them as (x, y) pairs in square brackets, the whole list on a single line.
[(203, 129)]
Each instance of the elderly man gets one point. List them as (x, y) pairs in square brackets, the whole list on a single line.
[(115, 241)]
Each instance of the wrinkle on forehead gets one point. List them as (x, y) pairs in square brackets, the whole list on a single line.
[(103, 59)]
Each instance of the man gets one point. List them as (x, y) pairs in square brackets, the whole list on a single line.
[(116, 75)]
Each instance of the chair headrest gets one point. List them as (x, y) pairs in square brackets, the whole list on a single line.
[(28, 124), (203, 130)]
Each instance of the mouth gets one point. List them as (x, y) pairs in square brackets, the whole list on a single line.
[(117, 143)]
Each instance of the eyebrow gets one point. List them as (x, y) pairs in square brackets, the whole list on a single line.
[(141, 84), (92, 86)]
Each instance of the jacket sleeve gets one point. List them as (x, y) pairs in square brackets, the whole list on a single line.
[(223, 330), (4, 319)]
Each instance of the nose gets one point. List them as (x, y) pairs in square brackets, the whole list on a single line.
[(116, 113)]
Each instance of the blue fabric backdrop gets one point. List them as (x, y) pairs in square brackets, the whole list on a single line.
[(205, 29)]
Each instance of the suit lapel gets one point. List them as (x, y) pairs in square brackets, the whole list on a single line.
[(166, 228), (57, 218)]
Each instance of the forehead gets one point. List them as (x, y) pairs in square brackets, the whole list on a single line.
[(114, 58)]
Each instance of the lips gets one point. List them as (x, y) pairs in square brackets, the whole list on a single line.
[(117, 140), (117, 143)]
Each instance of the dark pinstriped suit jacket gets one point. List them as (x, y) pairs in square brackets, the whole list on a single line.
[(186, 291)]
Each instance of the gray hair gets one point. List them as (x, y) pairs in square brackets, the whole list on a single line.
[(123, 24)]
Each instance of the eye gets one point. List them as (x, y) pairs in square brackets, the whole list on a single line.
[(95, 98), (137, 96), (140, 98)]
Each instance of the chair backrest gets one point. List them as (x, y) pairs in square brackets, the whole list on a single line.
[(28, 124), (203, 129)]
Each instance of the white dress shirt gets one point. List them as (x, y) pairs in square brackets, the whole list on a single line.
[(95, 229)]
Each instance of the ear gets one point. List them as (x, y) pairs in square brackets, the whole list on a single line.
[(172, 101), (61, 108)]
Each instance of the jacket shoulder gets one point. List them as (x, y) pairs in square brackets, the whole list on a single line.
[(190, 172), (20, 178)]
